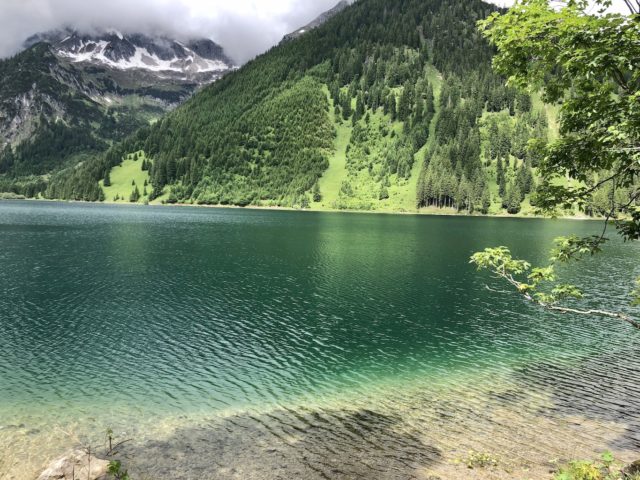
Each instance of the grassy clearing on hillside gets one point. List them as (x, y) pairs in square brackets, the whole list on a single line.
[(363, 183), (122, 178), (435, 80), (365, 188), (332, 179), (552, 112)]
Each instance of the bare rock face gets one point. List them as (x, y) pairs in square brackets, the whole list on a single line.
[(200, 60), (76, 465)]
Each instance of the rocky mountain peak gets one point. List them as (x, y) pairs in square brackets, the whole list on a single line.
[(200, 60), (318, 21)]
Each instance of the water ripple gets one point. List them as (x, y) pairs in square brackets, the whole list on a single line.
[(246, 344)]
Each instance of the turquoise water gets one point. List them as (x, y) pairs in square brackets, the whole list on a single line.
[(163, 321)]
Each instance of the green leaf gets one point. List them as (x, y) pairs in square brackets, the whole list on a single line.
[(607, 457), (566, 291), (114, 467), (538, 274)]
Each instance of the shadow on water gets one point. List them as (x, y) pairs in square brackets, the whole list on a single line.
[(287, 444), (604, 387)]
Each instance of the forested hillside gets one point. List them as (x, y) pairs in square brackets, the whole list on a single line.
[(50, 117), (68, 96), (390, 105)]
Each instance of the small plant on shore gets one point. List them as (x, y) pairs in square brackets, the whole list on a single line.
[(112, 446), (605, 469), (580, 470), (109, 435), (480, 460), (116, 471)]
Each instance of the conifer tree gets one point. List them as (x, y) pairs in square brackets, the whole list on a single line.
[(390, 106), (135, 195), (500, 178), (345, 103), (360, 107), (486, 200), (513, 200), (317, 196), (404, 105)]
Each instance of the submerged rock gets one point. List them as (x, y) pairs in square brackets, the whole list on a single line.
[(630, 471), (76, 465)]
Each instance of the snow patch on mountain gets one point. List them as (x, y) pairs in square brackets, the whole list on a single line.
[(95, 52), (114, 50)]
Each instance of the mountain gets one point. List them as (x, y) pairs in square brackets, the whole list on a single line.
[(390, 105), (198, 61), (320, 20), (69, 95)]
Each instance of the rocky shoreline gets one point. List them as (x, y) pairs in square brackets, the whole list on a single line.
[(83, 464), (75, 465)]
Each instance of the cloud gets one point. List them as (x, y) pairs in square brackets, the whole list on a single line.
[(244, 27)]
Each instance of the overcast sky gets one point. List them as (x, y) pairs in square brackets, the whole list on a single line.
[(244, 27)]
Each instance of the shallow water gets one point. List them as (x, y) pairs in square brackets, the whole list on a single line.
[(262, 344)]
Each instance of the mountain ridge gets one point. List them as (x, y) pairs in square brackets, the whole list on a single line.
[(318, 21), (161, 54)]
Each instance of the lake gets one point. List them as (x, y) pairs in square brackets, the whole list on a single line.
[(254, 344)]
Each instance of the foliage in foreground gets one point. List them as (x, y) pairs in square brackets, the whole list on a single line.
[(116, 471), (588, 64), (539, 284), (605, 469), (480, 460)]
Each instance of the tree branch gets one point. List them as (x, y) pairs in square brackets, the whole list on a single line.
[(632, 199), (619, 79), (502, 273), (632, 9), (601, 313), (593, 188)]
